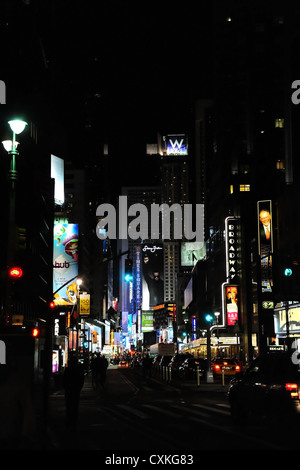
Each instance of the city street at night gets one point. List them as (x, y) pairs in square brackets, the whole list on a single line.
[(150, 227)]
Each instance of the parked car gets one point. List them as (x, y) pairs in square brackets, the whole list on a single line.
[(177, 360), (269, 389), (228, 367), (189, 367)]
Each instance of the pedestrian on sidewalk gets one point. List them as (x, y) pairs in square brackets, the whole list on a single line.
[(17, 419), (103, 365), (73, 380), (147, 365)]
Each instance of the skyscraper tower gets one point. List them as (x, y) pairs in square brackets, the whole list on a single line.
[(175, 190)]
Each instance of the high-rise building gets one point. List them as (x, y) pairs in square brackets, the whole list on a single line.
[(175, 188), (245, 147)]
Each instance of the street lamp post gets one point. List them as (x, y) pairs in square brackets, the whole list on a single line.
[(209, 319), (17, 126)]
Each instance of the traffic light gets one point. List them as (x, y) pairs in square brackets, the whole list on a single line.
[(288, 272), (15, 272), (52, 304), (128, 270), (290, 279), (35, 332), (208, 318)]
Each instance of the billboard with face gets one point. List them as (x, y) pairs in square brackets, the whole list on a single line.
[(153, 276), (231, 304), (265, 230), (265, 243), (65, 263)]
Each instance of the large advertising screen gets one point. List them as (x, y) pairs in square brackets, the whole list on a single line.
[(57, 172), (265, 243), (177, 144), (265, 227), (65, 263), (147, 321), (153, 275), (231, 296), (192, 252)]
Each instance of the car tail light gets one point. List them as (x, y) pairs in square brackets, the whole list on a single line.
[(237, 368), (217, 367), (293, 389)]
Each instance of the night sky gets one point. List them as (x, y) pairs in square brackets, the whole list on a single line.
[(106, 71)]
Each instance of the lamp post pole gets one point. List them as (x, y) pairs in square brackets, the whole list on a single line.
[(17, 126), (12, 176)]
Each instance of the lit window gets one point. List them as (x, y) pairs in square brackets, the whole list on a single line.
[(280, 165), (244, 187), (279, 122), (231, 189)]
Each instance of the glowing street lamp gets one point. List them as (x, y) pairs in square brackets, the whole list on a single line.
[(17, 126)]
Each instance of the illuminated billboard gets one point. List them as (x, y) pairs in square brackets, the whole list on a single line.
[(192, 252), (265, 227), (233, 248), (231, 297), (147, 321), (65, 263), (57, 173), (265, 243), (153, 275), (177, 144)]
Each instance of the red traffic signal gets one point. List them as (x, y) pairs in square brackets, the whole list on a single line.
[(52, 304), (15, 272), (35, 332)]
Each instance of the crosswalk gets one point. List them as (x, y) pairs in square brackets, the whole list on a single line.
[(149, 411), (157, 422)]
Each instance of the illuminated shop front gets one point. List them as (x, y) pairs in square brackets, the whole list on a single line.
[(287, 325), (227, 346)]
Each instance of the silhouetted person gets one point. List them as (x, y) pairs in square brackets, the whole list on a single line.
[(103, 364), (147, 364), (73, 380), (17, 418)]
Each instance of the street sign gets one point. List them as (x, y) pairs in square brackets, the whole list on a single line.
[(84, 304)]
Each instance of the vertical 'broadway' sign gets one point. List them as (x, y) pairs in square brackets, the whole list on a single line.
[(233, 249)]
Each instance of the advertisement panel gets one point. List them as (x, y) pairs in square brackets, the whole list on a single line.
[(57, 173), (84, 304), (177, 144), (281, 317), (265, 227), (265, 243), (153, 275), (65, 263), (231, 297), (192, 252), (147, 321)]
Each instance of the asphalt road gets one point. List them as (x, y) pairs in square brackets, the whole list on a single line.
[(134, 414)]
